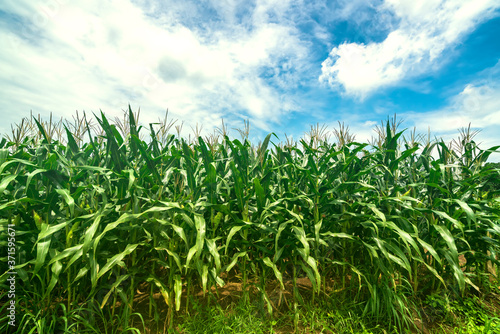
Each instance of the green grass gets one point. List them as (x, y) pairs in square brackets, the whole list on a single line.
[(437, 314), (138, 231)]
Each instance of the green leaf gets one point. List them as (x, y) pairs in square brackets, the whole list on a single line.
[(338, 235), (112, 146), (200, 225), (301, 236), (407, 238), (42, 249), (163, 289), (267, 261), (65, 253), (56, 270), (41, 130), (71, 141), (91, 231), (115, 285), (203, 271), (238, 185), (5, 182), (191, 253), (232, 232), (263, 148), (126, 217), (212, 248), (113, 261), (312, 263), (377, 212), (430, 249), (434, 272), (457, 272), (234, 260), (278, 234), (133, 132), (177, 291), (4, 154), (467, 209), (151, 164), (444, 215), (259, 194), (68, 199), (448, 238), (176, 257), (179, 230), (311, 276), (78, 254)]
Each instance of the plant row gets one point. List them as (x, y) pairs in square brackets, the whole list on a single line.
[(97, 220)]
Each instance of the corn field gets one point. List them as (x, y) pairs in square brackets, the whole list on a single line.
[(102, 212)]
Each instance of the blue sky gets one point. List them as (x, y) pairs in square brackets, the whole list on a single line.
[(283, 65)]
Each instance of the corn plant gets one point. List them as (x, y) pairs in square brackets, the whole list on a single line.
[(107, 211)]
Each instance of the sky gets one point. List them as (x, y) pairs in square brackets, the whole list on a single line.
[(282, 65)]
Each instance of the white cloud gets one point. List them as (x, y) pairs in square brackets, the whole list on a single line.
[(476, 105), (426, 29), (102, 55)]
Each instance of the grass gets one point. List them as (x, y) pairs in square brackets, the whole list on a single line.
[(437, 314), (324, 234)]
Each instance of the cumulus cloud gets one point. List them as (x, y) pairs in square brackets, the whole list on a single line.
[(102, 55), (475, 105), (425, 30)]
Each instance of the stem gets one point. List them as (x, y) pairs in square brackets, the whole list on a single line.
[(152, 287), (171, 291), (114, 305), (244, 279), (69, 289), (245, 236), (150, 300), (188, 289), (415, 277), (295, 293)]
